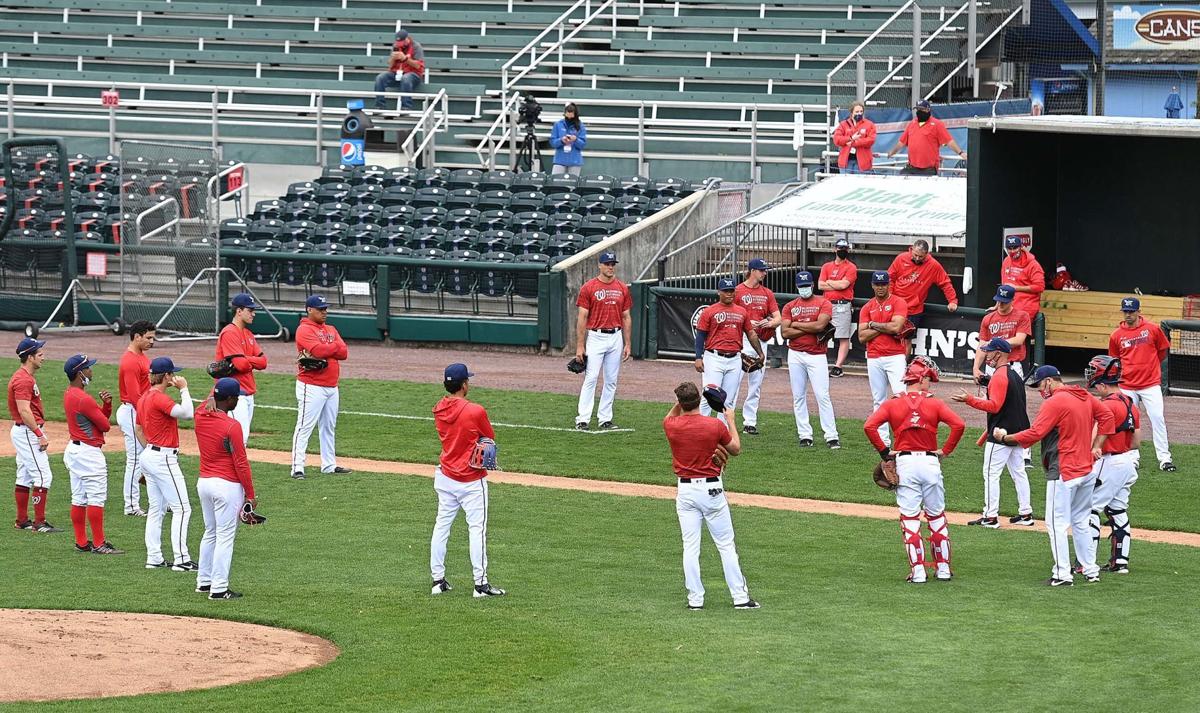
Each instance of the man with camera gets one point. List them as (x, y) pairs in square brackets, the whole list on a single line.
[(406, 71)]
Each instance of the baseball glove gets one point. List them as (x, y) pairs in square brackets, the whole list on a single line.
[(720, 456), (308, 362), (983, 380), (715, 396), (223, 368), (483, 455), (577, 365), (885, 475), (751, 363), (826, 334), (908, 331), (249, 516)]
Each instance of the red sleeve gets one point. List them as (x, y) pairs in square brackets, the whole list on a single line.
[(826, 308), (725, 437), (241, 464), (627, 302), (99, 419), (342, 350), (957, 427), (904, 136), (128, 382), (23, 391), (230, 345), (106, 409), (841, 136), (867, 140), (824, 274), (483, 424), (1046, 419), (1114, 346), (773, 304), (705, 321), (1104, 418), (306, 338), (872, 424), (1025, 324), (997, 391), (1037, 277), (585, 298), (944, 136), (258, 361), (416, 66), (943, 281), (894, 268), (1161, 343)]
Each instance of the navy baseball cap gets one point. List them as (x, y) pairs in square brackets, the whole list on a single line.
[(1005, 293), (29, 345), (401, 35), (316, 302), (608, 257), (725, 284), (164, 365), (804, 278), (842, 243), (458, 372), (226, 387), (757, 264), (923, 104), (880, 277), (997, 344), (242, 299), (1130, 304), (76, 364), (1012, 242), (1042, 373)]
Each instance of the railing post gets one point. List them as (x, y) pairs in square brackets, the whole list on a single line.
[(662, 270), (12, 115), (320, 159), (511, 126), (860, 77), (972, 28), (112, 128), (643, 169), (916, 55), (754, 177), (216, 99)]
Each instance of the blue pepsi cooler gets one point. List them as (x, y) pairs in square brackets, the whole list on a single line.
[(354, 134)]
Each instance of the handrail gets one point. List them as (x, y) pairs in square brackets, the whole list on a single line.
[(1012, 16), (152, 209), (932, 36), (710, 184), (558, 24), (435, 117), (488, 141), (212, 182)]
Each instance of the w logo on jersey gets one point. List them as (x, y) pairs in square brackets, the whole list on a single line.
[(600, 294), (36, 390), (747, 299), (720, 317)]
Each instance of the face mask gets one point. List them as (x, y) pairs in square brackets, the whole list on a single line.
[(86, 381), (806, 292), (922, 115), (858, 116), (1044, 391), (842, 253)]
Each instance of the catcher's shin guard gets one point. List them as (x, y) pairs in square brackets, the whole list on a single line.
[(1121, 539), (910, 528), (939, 538), (1094, 526)]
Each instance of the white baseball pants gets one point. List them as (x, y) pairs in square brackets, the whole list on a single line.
[(243, 413), (315, 406), (702, 502), (89, 474), (603, 352), (920, 487), (884, 375), (472, 499), (165, 487), (131, 491), (1115, 476), (1151, 400), (725, 372), (1020, 371), (805, 369), (1068, 509), (995, 458), (754, 382), (220, 502), (33, 465)]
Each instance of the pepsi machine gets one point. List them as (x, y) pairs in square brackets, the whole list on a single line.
[(354, 134)]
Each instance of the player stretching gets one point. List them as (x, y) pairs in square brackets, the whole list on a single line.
[(29, 443), (719, 343), (237, 342), (694, 441), (803, 319), (1005, 408), (1064, 425), (317, 395), (1141, 346), (1117, 468), (158, 432), (914, 417), (133, 380), (87, 424), (459, 485), (602, 334), (759, 302)]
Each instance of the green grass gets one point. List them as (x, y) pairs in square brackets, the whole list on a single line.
[(771, 464), (595, 619)]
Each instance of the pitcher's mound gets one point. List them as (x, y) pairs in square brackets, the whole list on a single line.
[(48, 655)]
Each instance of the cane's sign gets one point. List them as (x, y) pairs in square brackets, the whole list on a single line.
[(1156, 28), (1165, 27)]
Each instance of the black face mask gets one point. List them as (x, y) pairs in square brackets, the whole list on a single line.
[(858, 117), (923, 115), (841, 253)]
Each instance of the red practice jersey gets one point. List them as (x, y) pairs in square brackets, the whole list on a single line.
[(807, 310), (460, 424), (1025, 271), (759, 302), (693, 438), (882, 312), (1127, 420), (833, 270), (1064, 426), (911, 282), (133, 377), (924, 142), (724, 326), (606, 303), (222, 451), (23, 387), (154, 416), (86, 421), (1141, 349), (322, 341), (247, 355), (1006, 326), (914, 417)]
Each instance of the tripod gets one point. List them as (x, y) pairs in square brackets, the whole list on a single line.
[(529, 154)]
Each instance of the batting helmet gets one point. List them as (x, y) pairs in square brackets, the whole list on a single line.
[(1103, 369), (920, 368)]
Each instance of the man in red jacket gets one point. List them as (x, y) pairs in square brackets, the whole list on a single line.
[(237, 341), (855, 138), (913, 272), (459, 484), (1141, 346), (406, 71), (87, 424), (1064, 425), (914, 417), (317, 395), (1024, 273)]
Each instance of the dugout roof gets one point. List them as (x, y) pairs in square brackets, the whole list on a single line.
[(1093, 125)]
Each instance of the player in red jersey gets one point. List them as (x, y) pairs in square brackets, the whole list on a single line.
[(133, 380), (29, 442), (836, 283), (914, 417), (87, 423), (913, 273), (1117, 467), (317, 394), (804, 318), (1141, 346), (158, 432), (759, 302), (602, 336), (1024, 273), (1008, 323), (880, 322), (719, 335), (237, 341)]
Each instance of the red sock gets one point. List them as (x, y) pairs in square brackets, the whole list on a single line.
[(77, 521), (39, 504), (95, 516), (22, 495)]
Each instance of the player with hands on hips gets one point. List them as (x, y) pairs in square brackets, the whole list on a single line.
[(759, 302), (237, 343), (158, 432), (1141, 346), (836, 282), (87, 423), (459, 484), (804, 318), (29, 441), (699, 448), (880, 323), (1117, 467), (602, 333), (224, 487), (133, 380), (719, 333), (318, 398), (1065, 425), (915, 417), (1005, 408)]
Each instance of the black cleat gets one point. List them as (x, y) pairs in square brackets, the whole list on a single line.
[(1116, 568), (157, 565), (188, 566), (85, 548), (106, 548), (834, 445), (203, 588), (1059, 582), (806, 443), (748, 604), (45, 527), (990, 523), (695, 607), (836, 372), (608, 426), (1167, 467), (24, 525), (441, 586), (581, 426), (487, 590), (339, 470), (750, 429), (1026, 520), (298, 475), (227, 594)]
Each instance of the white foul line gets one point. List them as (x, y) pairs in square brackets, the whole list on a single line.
[(430, 418)]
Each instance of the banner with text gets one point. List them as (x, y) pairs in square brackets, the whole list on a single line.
[(1156, 28)]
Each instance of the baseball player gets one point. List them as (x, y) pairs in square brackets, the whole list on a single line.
[(719, 343), (1117, 468), (238, 342), (87, 424), (1064, 425), (317, 395), (913, 272), (837, 284), (459, 486), (1013, 325), (1024, 273), (1141, 346), (759, 302), (158, 432), (224, 486), (133, 380), (915, 417), (602, 334), (1005, 408), (880, 323), (701, 496), (29, 442), (803, 319)]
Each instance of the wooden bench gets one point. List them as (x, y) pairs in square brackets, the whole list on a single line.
[(1085, 320)]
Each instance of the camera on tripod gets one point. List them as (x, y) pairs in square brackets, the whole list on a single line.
[(530, 112)]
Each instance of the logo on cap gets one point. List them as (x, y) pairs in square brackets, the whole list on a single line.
[(880, 277), (608, 257), (316, 302), (804, 278), (1130, 304), (997, 344), (29, 345), (1012, 242), (1004, 293), (244, 300), (725, 284), (457, 372), (842, 243), (757, 264)]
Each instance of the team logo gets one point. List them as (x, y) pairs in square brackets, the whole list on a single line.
[(721, 317), (747, 299), (600, 294), (796, 311), (36, 390)]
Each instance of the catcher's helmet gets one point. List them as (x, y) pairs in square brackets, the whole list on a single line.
[(919, 368), (1102, 369)]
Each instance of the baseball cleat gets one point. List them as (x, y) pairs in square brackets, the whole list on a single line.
[(914, 580), (1116, 568), (45, 527), (1167, 467), (188, 566), (157, 565), (695, 607), (339, 470), (227, 594), (106, 548), (748, 604), (203, 588), (750, 429), (806, 443), (441, 586), (136, 512), (487, 590), (85, 548), (1092, 578), (991, 523), (608, 426), (1053, 582), (1026, 520), (834, 445), (581, 426), (298, 475), (24, 525), (836, 372), (1028, 463)]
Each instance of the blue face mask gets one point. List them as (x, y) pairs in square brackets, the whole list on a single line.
[(806, 292)]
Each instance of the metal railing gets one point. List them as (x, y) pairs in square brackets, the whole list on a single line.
[(490, 144), (435, 118), (857, 56), (710, 184), (914, 59), (951, 74)]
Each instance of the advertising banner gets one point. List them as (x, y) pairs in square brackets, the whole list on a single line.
[(1155, 28)]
